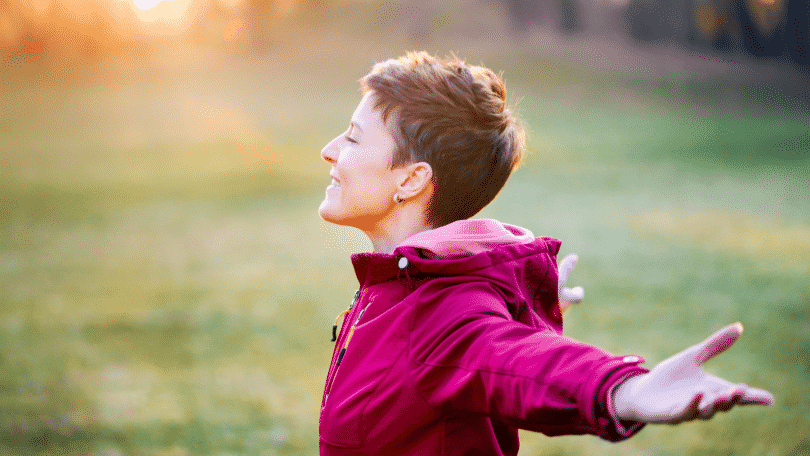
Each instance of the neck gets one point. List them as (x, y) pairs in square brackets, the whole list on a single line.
[(387, 235)]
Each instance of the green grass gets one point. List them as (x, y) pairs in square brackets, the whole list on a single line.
[(169, 289)]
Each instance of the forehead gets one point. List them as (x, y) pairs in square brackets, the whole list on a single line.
[(369, 120), (366, 115)]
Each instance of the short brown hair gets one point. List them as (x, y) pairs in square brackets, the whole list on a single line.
[(454, 117)]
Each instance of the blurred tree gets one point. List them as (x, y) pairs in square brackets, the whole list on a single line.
[(257, 17), (16, 30), (526, 13), (46, 29), (761, 26), (797, 31), (656, 21), (569, 16), (259, 23), (560, 15)]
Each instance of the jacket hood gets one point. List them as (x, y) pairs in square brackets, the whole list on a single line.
[(467, 237), (518, 265)]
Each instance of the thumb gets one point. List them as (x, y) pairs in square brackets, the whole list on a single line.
[(717, 343), (566, 266)]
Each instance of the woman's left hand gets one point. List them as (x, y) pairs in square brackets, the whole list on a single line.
[(678, 389), (568, 296)]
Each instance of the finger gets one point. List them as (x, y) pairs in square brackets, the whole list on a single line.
[(722, 403), (756, 396), (707, 414), (707, 402), (690, 412), (728, 399), (566, 265), (708, 407), (728, 402), (717, 343), (572, 295)]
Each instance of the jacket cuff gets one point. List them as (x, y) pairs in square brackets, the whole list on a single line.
[(611, 427)]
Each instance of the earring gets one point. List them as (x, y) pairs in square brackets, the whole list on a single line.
[(396, 198)]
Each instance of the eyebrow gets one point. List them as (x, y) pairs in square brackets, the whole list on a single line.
[(357, 125)]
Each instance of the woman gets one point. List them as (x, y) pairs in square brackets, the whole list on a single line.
[(454, 340)]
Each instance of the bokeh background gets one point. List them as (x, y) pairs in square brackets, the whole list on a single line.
[(166, 285)]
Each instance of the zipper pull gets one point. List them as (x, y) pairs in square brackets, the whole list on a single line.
[(335, 326), (354, 300), (349, 337)]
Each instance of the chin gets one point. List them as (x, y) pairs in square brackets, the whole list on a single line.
[(329, 214)]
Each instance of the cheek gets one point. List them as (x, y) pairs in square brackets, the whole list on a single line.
[(367, 181), (363, 191)]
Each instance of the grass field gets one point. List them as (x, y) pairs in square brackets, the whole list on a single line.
[(168, 288)]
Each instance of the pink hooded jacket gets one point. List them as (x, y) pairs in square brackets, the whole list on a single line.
[(454, 342)]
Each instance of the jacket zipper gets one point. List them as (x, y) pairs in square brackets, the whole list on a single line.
[(340, 341), (349, 336), (342, 314)]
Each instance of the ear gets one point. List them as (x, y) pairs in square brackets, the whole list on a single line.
[(414, 180)]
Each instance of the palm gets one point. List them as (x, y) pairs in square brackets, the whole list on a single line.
[(678, 389)]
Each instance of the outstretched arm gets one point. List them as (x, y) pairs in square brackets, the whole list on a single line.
[(678, 389)]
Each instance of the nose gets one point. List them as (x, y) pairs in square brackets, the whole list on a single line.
[(329, 152)]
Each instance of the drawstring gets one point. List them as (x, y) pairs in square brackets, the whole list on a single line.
[(351, 333), (335, 326), (342, 314)]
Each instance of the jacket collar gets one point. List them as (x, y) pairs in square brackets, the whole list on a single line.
[(373, 268)]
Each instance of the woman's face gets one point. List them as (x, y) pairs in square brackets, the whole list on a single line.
[(363, 185)]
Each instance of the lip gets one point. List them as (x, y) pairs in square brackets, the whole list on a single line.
[(335, 183)]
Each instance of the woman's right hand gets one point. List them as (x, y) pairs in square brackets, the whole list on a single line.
[(678, 389)]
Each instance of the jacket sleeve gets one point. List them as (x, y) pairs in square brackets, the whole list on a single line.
[(468, 355)]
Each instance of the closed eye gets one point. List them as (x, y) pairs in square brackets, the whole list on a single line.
[(349, 133)]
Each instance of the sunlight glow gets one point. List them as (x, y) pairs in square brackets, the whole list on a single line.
[(163, 17), (232, 30), (230, 4), (144, 5)]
